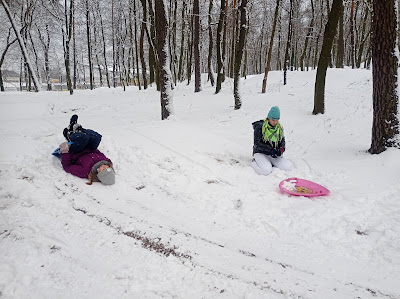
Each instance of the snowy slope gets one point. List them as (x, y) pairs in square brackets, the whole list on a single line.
[(188, 217)]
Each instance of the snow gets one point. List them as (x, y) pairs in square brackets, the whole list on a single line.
[(188, 217)]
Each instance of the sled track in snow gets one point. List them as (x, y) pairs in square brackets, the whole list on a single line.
[(193, 257)]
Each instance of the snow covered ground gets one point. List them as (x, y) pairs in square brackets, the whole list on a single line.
[(188, 217)]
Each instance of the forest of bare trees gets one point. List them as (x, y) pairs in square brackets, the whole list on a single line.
[(90, 43), (70, 44)]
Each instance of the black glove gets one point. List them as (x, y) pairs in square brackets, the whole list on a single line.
[(280, 151), (274, 153)]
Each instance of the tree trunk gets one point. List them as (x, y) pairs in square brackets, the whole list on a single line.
[(36, 59), (210, 45), (22, 45), (163, 55), (136, 46), (189, 54), (224, 40), (113, 45), (89, 45), (363, 37), (74, 45), (271, 43), (180, 68), (385, 125), (309, 32), (154, 65), (288, 44), (174, 58), (340, 50), (95, 34), (196, 46), (3, 55), (233, 41), (352, 34), (239, 53), (325, 56), (46, 47), (141, 45), (220, 61), (153, 61), (278, 54), (104, 47)]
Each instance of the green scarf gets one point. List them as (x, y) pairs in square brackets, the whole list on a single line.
[(271, 134)]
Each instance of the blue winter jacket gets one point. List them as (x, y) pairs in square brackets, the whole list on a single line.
[(259, 145), (85, 139)]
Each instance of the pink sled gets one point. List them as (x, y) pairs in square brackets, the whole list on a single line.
[(300, 187)]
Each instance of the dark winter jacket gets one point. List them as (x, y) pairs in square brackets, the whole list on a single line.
[(81, 164), (85, 139), (259, 145)]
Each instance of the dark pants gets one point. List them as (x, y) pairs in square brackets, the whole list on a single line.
[(86, 139)]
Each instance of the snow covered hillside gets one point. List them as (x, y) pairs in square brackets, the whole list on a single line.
[(188, 217)]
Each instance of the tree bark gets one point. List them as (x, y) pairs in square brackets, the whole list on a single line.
[(75, 75), (352, 55), (154, 67), (278, 54), (340, 50), (189, 54), (196, 46), (136, 46), (308, 36), (163, 55), (325, 57), (141, 44), (220, 61), (239, 53), (288, 44), (210, 45), (233, 41), (180, 67), (385, 125), (89, 45)]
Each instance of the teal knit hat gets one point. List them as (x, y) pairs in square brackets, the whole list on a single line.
[(274, 113)]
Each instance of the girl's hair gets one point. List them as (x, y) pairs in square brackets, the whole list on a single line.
[(93, 176)]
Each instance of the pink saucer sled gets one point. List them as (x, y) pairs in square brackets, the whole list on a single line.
[(300, 187)]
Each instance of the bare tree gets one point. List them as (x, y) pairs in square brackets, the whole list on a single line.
[(136, 44), (340, 50), (104, 46), (325, 57), (196, 46), (3, 55), (239, 53), (210, 44), (89, 45), (143, 30), (385, 125), (22, 45), (163, 56), (308, 36), (67, 33), (220, 46), (288, 43), (364, 34), (271, 43), (46, 47), (182, 47)]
